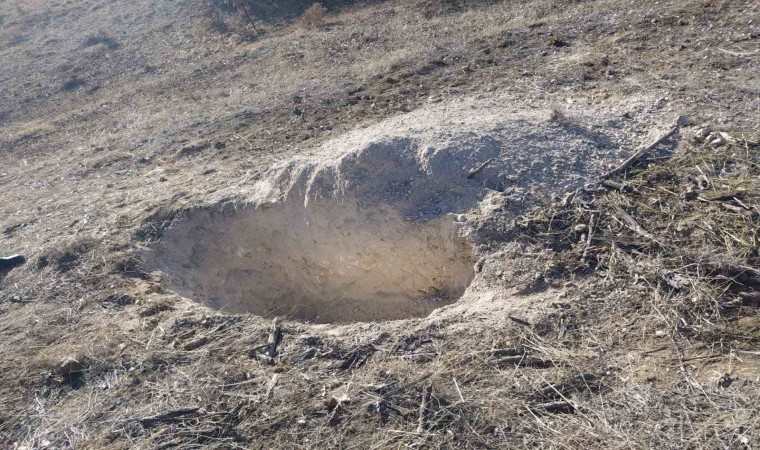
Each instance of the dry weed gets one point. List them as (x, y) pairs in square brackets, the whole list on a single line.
[(313, 16)]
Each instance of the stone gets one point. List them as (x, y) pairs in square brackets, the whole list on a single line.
[(70, 366)]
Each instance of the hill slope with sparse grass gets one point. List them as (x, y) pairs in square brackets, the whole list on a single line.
[(611, 302)]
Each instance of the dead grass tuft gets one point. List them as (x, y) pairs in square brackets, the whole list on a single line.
[(66, 257), (313, 16), (687, 229), (32, 131)]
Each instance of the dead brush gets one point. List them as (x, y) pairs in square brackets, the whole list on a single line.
[(687, 228), (557, 116), (313, 17)]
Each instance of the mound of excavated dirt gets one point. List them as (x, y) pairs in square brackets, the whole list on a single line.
[(371, 227)]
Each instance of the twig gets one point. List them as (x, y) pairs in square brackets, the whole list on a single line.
[(275, 337), (424, 408), (658, 349), (552, 407), (203, 340), (196, 343), (575, 383), (271, 385), (570, 197), (679, 122), (591, 224), (609, 184), (634, 225), (729, 52), (246, 141), (459, 391), (508, 351), (409, 384), (177, 414), (480, 168), (526, 361), (520, 321)]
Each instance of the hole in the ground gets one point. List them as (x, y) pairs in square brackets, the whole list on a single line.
[(322, 262), (365, 237), (363, 230)]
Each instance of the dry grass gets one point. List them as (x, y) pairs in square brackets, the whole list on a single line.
[(665, 324), (686, 228), (31, 131), (313, 16), (666, 367)]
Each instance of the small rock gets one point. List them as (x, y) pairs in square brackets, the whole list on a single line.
[(716, 142), (725, 381), (700, 135), (727, 137), (336, 402), (580, 228), (70, 365)]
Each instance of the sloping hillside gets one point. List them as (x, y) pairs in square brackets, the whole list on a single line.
[(433, 198)]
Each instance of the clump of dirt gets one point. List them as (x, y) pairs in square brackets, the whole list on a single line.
[(624, 313)]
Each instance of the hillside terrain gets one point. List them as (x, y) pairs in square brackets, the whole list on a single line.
[(424, 223)]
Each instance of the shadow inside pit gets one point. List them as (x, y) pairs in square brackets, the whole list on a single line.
[(76, 380), (9, 263)]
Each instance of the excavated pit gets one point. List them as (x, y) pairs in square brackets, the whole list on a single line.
[(365, 237), (369, 227), (322, 262)]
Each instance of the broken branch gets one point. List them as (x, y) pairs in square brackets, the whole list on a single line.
[(679, 122), (424, 408), (480, 168)]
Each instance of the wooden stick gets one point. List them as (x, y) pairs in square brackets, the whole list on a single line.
[(571, 196), (424, 408), (170, 416), (480, 168), (591, 225), (525, 361), (404, 386), (635, 225), (552, 407), (679, 122), (459, 391), (519, 321), (195, 344), (275, 337), (271, 385), (576, 383)]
